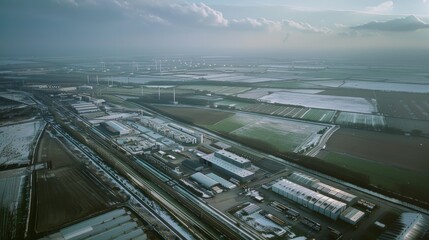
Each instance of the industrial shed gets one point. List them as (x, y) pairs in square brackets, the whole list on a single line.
[(309, 198), (303, 179), (224, 183), (352, 215), (334, 192), (227, 168), (233, 158), (409, 225), (115, 127), (316, 185), (204, 180)]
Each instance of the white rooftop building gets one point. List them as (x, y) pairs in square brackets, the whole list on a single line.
[(309, 198), (227, 168), (233, 158), (116, 127)]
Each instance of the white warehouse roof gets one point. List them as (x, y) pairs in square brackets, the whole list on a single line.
[(232, 156), (227, 166), (117, 127), (334, 192), (309, 198), (204, 180), (303, 179), (225, 183)]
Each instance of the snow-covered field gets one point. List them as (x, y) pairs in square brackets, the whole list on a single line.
[(17, 97), (350, 104), (384, 86), (16, 141)]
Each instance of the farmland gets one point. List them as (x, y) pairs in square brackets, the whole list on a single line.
[(354, 104), (384, 176), (318, 115), (404, 105), (16, 142), (280, 134), (359, 120), (384, 148), (222, 90), (196, 116), (13, 194), (69, 190)]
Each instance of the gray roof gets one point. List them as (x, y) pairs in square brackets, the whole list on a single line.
[(204, 180), (302, 179), (233, 156), (116, 224), (227, 166), (310, 196), (223, 182)]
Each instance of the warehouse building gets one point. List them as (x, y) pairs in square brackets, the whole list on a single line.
[(316, 185), (227, 168), (116, 224), (84, 107), (352, 215), (204, 180), (233, 158), (310, 199), (223, 182), (115, 127), (409, 225)]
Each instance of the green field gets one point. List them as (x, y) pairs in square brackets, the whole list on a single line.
[(317, 115), (137, 91), (360, 120), (391, 178), (279, 134), (282, 135), (222, 90)]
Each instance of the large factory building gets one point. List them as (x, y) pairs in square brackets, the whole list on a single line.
[(310, 199)]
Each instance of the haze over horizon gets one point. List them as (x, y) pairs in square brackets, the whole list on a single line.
[(118, 27)]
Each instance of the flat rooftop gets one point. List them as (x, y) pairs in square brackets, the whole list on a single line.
[(227, 166)]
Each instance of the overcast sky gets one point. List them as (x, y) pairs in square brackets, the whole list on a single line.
[(150, 27)]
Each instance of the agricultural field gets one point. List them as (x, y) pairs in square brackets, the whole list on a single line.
[(198, 116), (385, 176), (282, 135), (16, 142), (237, 104), (68, 190), (221, 90), (137, 91), (13, 194), (318, 115), (408, 125), (353, 104), (279, 134), (222, 77), (277, 110), (17, 97), (387, 87), (397, 150), (259, 92), (359, 120), (404, 105)]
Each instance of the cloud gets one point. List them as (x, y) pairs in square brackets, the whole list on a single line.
[(305, 27), (407, 24), (255, 23), (381, 8)]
